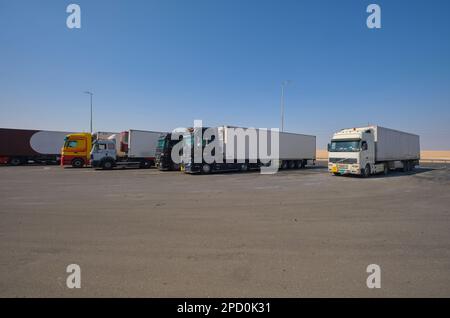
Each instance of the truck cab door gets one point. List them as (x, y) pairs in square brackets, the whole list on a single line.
[(367, 152), (100, 151), (111, 151)]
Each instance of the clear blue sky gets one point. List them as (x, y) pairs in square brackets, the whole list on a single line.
[(161, 64)]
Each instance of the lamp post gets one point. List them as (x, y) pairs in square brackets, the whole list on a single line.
[(283, 85), (90, 94)]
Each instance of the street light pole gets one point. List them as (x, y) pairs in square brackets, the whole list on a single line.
[(90, 94), (283, 85)]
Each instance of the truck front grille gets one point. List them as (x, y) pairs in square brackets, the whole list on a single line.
[(342, 160)]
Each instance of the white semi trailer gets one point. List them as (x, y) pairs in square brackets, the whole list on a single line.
[(372, 149), (129, 148), (294, 151)]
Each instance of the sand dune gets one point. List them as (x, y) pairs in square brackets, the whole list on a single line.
[(425, 154)]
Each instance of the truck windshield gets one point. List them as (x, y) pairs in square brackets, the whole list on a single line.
[(344, 146), (161, 143), (70, 144)]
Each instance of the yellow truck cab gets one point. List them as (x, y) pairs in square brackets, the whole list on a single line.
[(76, 150)]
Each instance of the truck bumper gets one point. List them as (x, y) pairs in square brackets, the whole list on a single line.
[(191, 167), (66, 160), (162, 164), (344, 168)]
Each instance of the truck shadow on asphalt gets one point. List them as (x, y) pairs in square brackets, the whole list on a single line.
[(257, 171), (393, 174)]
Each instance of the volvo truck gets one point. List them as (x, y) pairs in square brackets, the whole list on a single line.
[(373, 149), (133, 148), (296, 151), (22, 146)]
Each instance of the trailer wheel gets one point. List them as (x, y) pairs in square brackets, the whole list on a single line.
[(291, 164), (206, 168), (15, 162), (284, 164), (77, 163), (244, 167), (366, 171)]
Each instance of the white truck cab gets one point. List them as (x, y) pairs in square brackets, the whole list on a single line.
[(133, 148), (104, 154), (370, 150), (351, 150)]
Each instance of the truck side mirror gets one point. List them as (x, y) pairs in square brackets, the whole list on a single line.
[(328, 147)]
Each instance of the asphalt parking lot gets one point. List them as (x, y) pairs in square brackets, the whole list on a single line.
[(299, 233)]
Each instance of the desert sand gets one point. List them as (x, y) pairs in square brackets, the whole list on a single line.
[(424, 155)]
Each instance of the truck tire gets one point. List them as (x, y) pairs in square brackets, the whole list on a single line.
[(284, 164), (107, 165), (206, 168), (244, 167), (15, 162), (145, 164), (366, 171), (291, 164), (77, 163)]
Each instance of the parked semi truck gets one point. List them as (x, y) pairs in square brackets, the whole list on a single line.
[(295, 151), (129, 148), (21, 146), (164, 160), (77, 147), (373, 149)]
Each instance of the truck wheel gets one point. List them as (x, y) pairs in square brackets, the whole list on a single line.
[(15, 162), (284, 165), (366, 171), (291, 164), (244, 167), (107, 165), (206, 168), (145, 164), (77, 163)]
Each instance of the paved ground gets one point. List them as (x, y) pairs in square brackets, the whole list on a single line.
[(153, 234)]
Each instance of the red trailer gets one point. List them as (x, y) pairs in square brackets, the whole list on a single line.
[(21, 146)]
